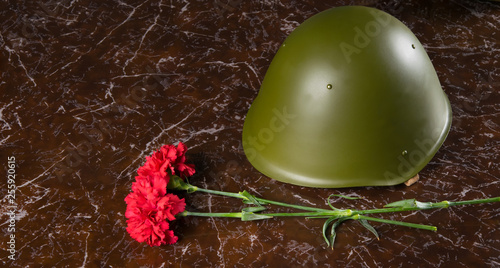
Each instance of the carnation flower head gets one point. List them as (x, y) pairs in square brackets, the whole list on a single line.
[(149, 208), (159, 162), (167, 158), (151, 232), (184, 170), (150, 186)]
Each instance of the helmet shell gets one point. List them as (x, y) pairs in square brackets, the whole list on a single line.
[(350, 99)]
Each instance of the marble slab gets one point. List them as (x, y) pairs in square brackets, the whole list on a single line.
[(89, 88)]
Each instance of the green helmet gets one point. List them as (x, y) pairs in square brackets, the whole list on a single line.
[(350, 99)]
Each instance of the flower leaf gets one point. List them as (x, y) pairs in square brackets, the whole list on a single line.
[(334, 226), (346, 196), (330, 240), (254, 209), (423, 205), (369, 227), (330, 203), (250, 216), (249, 199), (407, 203), (410, 203), (339, 195), (325, 229)]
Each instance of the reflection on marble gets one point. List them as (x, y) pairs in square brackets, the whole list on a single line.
[(89, 88)]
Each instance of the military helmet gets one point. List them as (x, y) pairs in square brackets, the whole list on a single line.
[(350, 99)]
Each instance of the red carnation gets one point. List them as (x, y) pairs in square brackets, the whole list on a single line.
[(148, 209), (167, 157), (150, 186), (158, 163), (149, 206), (185, 170)]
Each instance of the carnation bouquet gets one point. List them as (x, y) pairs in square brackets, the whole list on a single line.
[(152, 203)]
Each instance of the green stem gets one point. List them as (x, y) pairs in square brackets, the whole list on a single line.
[(442, 204), (387, 210), (475, 201), (326, 214), (307, 214), (177, 183), (212, 214), (330, 213), (192, 188), (354, 214), (407, 224), (197, 189), (292, 206)]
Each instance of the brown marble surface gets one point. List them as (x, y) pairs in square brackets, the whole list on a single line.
[(89, 88)]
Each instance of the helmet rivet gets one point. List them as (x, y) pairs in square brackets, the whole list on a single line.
[(329, 86), (405, 152)]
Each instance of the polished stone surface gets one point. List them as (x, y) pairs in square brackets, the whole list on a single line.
[(89, 88)]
